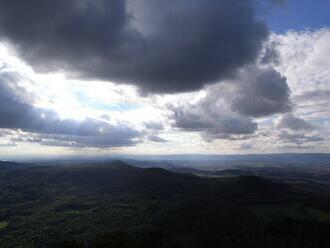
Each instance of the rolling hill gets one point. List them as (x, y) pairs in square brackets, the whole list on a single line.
[(118, 205)]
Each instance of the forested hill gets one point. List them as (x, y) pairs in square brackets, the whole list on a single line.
[(118, 205)]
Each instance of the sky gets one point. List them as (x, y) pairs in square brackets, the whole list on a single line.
[(300, 15), (92, 78)]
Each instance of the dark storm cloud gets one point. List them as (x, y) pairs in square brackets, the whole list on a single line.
[(160, 46), (294, 123), (261, 92), (17, 112)]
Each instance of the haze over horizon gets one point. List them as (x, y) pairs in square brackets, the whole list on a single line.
[(135, 77)]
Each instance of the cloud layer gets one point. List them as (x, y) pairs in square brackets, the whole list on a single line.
[(255, 93), (160, 46)]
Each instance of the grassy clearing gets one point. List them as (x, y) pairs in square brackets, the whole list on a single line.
[(3, 224)]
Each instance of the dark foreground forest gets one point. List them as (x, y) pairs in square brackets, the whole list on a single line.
[(116, 205)]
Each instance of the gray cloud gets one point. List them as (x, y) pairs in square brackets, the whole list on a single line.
[(210, 122), (297, 131), (160, 46), (294, 123), (116, 137), (270, 54), (5, 132), (246, 146), (298, 138), (18, 112), (314, 96), (154, 126), (8, 144), (261, 92), (227, 109), (157, 139)]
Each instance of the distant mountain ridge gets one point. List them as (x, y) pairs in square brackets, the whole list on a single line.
[(192, 160)]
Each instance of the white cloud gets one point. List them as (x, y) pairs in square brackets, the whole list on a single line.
[(305, 60)]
